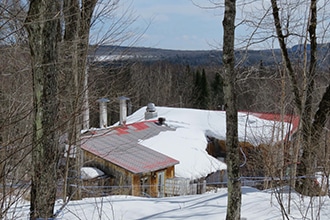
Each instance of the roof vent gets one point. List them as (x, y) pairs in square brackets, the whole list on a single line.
[(161, 121), (150, 111), (123, 109), (103, 112)]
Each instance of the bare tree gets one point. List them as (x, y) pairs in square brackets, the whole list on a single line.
[(74, 49), (15, 107), (11, 25), (15, 124), (42, 24), (311, 122), (233, 161)]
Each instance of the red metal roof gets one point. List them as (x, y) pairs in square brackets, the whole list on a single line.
[(292, 119), (121, 146)]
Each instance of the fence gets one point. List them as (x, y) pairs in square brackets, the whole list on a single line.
[(172, 187)]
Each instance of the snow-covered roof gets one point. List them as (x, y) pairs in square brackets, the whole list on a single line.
[(90, 173), (187, 141), (255, 128)]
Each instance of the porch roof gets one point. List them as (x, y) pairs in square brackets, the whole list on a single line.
[(120, 146)]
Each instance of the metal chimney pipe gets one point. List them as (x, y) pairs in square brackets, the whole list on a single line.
[(122, 110), (150, 111), (85, 113), (103, 112)]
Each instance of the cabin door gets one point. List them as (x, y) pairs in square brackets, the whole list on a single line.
[(144, 186), (161, 184)]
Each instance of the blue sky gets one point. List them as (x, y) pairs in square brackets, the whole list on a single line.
[(177, 24), (181, 25)]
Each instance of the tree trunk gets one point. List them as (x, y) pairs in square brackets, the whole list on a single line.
[(71, 93), (233, 162), (77, 19), (308, 158), (311, 126), (42, 24)]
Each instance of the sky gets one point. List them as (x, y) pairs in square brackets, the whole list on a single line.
[(176, 24), (182, 25), (194, 24)]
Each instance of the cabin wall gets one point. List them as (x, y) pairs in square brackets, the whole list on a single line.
[(158, 189), (99, 186), (261, 160), (131, 184), (169, 172), (154, 184), (121, 177), (136, 185)]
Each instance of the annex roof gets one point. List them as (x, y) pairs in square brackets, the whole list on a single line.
[(120, 146), (292, 120), (255, 128)]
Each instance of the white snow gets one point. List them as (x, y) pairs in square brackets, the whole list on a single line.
[(213, 123), (90, 173), (191, 126), (103, 58), (188, 142), (188, 147), (256, 205)]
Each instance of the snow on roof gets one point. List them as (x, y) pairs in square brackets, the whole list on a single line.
[(187, 142), (188, 147), (90, 173), (252, 127)]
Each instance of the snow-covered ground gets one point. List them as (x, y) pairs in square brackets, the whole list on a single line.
[(256, 205), (192, 126)]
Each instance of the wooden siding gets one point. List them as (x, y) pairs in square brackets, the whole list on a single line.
[(129, 183), (121, 177)]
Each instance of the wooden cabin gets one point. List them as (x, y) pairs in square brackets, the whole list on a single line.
[(134, 169), (262, 160)]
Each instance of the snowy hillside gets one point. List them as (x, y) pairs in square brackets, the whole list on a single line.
[(256, 205)]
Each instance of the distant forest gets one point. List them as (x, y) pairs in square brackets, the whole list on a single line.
[(191, 79)]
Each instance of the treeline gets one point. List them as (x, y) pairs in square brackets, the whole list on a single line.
[(179, 85), (261, 88)]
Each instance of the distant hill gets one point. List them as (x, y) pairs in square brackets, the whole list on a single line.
[(108, 53)]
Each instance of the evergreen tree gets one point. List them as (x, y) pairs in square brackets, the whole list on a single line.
[(204, 92), (201, 90), (196, 89), (217, 92)]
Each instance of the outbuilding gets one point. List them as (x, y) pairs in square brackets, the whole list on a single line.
[(135, 169)]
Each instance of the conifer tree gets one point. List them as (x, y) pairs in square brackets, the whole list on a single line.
[(201, 90), (217, 92), (196, 89), (204, 92)]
